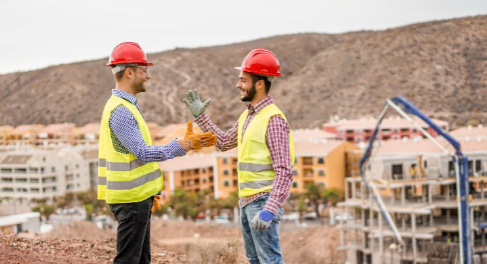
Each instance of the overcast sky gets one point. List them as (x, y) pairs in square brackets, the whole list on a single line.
[(39, 33)]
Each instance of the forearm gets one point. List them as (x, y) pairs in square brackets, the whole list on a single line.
[(226, 141), (125, 129)]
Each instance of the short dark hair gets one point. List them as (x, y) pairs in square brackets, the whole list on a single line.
[(267, 83), (119, 75)]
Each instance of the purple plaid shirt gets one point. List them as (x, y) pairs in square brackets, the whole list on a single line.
[(277, 139)]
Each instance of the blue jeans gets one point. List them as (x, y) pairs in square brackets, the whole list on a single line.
[(261, 247)]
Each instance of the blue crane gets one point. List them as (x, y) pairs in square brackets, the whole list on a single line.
[(402, 106)]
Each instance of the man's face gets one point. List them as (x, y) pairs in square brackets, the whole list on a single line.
[(247, 89), (142, 75)]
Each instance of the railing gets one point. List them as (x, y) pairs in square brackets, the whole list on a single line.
[(445, 221)]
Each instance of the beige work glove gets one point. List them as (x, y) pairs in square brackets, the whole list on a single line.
[(194, 141)]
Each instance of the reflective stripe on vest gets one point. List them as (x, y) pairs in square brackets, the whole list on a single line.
[(112, 185), (254, 167), (120, 166), (256, 184)]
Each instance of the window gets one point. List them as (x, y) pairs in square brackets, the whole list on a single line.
[(66, 167), (6, 189), (204, 170), (397, 171), (34, 180), (226, 183), (34, 190), (5, 170), (7, 180), (43, 159), (196, 171), (478, 165), (358, 131), (204, 180), (33, 170), (42, 170), (395, 130), (21, 190), (295, 173), (296, 160), (321, 161), (321, 173), (77, 166), (225, 172), (235, 183), (77, 175), (21, 170), (295, 184), (53, 169), (225, 161), (21, 180)]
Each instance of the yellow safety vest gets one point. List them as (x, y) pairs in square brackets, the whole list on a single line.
[(121, 177), (255, 171)]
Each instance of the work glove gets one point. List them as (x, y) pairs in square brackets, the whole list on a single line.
[(262, 220), (194, 103), (194, 141), (156, 203)]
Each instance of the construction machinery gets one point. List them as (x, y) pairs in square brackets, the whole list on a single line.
[(404, 107)]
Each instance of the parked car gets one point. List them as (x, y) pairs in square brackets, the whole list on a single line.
[(310, 216), (293, 216)]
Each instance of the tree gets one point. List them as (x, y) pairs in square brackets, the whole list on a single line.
[(314, 194), (45, 210), (331, 196)]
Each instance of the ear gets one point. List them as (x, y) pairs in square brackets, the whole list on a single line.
[(260, 85), (129, 73)]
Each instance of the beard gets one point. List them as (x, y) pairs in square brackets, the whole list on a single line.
[(138, 85), (250, 94)]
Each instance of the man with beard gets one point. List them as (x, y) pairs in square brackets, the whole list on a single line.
[(265, 155), (129, 177)]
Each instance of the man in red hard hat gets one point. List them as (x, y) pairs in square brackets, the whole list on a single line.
[(265, 154), (129, 177)]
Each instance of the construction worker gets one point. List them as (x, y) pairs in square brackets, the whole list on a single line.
[(128, 173), (265, 154)]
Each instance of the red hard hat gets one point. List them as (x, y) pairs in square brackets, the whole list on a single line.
[(128, 52), (261, 62)]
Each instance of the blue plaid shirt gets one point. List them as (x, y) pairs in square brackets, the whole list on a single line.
[(127, 137)]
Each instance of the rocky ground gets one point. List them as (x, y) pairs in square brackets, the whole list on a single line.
[(15, 249), (172, 242)]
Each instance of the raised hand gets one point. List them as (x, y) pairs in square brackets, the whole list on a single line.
[(194, 103)]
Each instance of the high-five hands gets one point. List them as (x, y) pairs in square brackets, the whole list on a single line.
[(194, 141), (194, 103)]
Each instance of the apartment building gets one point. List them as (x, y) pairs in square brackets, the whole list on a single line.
[(56, 134), (4, 133), (88, 134), (192, 173), (416, 182), (319, 161), (360, 130), (29, 173), (24, 135)]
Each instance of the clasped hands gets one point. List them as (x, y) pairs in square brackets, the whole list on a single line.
[(194, 141)]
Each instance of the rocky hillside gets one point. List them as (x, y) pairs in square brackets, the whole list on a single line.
[(439, 66)]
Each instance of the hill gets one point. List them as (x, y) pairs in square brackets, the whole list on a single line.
[(439, 66)]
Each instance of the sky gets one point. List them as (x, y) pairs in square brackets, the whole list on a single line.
[(35, 34)]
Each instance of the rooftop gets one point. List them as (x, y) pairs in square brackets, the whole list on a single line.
[(306, 134), (389, 122), (470, 131), (420, 145)]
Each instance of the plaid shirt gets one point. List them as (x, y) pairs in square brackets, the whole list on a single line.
[(277, 139), (126, 135)]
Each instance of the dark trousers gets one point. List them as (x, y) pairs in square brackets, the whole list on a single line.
[(133, 232)]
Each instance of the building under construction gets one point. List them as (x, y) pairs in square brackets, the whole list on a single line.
[(416, 181)]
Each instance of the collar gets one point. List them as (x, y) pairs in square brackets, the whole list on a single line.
[(124, 95), (260, 105)]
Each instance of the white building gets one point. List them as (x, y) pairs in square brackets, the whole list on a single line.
[(29, 173), (417, 184)]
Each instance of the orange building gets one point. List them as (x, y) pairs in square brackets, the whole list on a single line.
[(4, 133), (88, 134), (192, 173), (323, 162), (24, 134), (55, 134)]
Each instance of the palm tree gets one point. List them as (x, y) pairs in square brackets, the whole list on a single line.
[(331, 196), (314, 193)]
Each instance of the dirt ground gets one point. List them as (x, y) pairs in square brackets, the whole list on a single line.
[(172, 242)]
